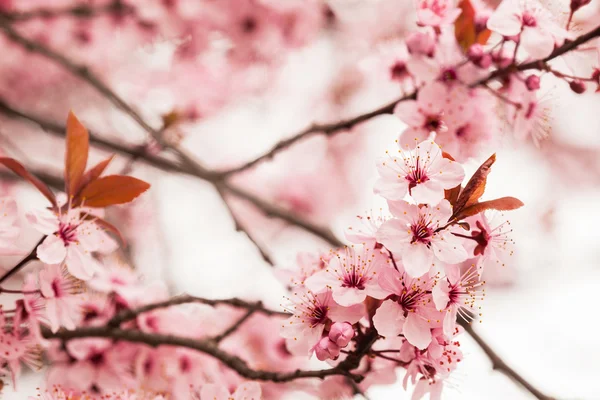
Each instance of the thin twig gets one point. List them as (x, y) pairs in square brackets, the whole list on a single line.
[(29, 257), (234, 326), (499, 364), (83, 11), (128, 315), (344, 125)]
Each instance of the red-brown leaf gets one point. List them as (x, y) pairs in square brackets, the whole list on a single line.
[(111, 190), (20, 170), (95, 172), (475, 187), (452, 194), (78, 143), (465, 29), (501, 204)]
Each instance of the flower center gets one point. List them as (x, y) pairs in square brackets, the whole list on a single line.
[(481, 237), (421, 232), (318, 315), (416, 175), (528, 20), (409, 298), (68, 233), (448, 75), (354, 279), (399, 71), (434, 123), (249, 24)]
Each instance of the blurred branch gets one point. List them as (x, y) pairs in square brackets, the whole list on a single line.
[(189, 164), (29, 257), (499, 364), (116, 7), (343, 125), (208, 347), (234, 327)]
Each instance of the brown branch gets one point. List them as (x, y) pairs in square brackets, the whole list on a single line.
[(128, 315), (84, 11), (208, 347), (343, 125), (234, 326), (29, 257), (499, 364)]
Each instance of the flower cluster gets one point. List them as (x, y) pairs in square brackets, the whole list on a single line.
[(409, 277)]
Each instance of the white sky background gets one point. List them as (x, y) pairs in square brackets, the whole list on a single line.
[(544, 324)]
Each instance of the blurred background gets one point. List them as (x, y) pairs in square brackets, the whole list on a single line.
[(225, 81)]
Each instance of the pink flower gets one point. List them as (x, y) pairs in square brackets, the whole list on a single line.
[(535, 26), (457, 295), (531, 118), (351, 276), (9, 228), (366, 229), (245, 391), (71, 239), (423, 173), (490, 240), (419, 236), (311, 313), (59, 288), (32, 308), (435, 109), (408, 311), (436, 12)]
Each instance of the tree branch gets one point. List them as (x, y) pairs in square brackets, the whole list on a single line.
[(234, 326), (334, 128), (116, 7), (499, 364), (29, 257)]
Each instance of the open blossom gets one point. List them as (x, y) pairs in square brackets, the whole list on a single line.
[(435, 108), (423, 173), (418, 235), (534, 25), (457, 295), (245, 391), (71, 239), (311, 313), (490, 240), (364, 232), (351, 274), (58, 288), (437, 12), (409, 310), (9, 228)]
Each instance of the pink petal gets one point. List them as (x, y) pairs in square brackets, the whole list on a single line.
[(247, 391), (350, 314), (417, 259), (450, 322), (52, 315), (410, 137), (212, 391), (52, 250), (440, 295), (390, 280), (536, 42), (389, 319), (448, 248), (505, 20), (345, 296), (391, 188), (81, 266), (394, 235), (416, 331), (321, 280), (408, 112), (430, 192), (44, 221)]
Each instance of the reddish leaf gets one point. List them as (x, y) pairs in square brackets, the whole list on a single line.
[(452, 194), (78, 143), (475, 187), (111, 190), (94, 173), (501, 204), (465, 29), (20, 170)]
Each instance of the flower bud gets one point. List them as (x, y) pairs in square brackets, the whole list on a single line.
[(341, 333), (325, 349), (532, 82), (577, 86), (421, 43)]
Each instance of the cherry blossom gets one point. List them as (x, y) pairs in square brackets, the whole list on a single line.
[(71, 238), (423, 173), (9, 227), (436, 12), (534, 25), (490, 240), (58, 288), (351, 275), (420, 236)]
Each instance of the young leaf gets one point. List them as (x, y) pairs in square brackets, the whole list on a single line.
[(20, 170), (501, 204), (452, 194), (94, 173), (78, 143), (475, 187), (465, 29), (111, 190)]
